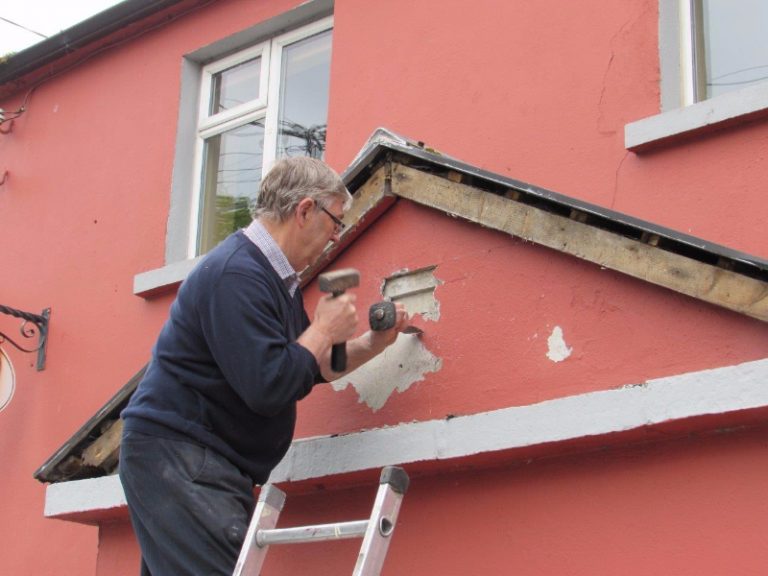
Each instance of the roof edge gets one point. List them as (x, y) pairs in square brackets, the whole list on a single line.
[(24, 63), (383, 141)]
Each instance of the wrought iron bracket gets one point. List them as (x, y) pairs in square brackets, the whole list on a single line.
[(40, 329)]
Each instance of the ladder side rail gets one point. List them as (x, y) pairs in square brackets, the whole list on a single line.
[(270, 504), (393, 485)]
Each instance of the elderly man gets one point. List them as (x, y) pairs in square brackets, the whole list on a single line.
[(216, 410)]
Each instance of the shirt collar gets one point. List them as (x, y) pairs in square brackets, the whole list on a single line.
[(259, 235)]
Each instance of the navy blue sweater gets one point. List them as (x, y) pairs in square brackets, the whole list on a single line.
[(226, 371)]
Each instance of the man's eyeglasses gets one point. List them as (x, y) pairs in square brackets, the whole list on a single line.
[(340, 226)]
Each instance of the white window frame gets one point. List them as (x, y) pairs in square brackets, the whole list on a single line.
[(679, 115), (209, 71), (185, 180), (264, 106)]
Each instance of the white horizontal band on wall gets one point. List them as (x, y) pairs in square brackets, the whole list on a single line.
[(718, 391)]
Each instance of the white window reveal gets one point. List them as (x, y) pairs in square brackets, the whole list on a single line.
[(714, 68), (266, 102)]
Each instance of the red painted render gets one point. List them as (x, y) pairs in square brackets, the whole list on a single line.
[(541, 92), (634, 512), (534, 91), (500, 299)]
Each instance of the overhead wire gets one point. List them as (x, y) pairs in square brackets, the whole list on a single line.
[(11, 22)]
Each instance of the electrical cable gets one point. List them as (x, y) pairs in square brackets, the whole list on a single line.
[(23, 27)]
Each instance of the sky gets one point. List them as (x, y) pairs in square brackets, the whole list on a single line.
[(46, 17)]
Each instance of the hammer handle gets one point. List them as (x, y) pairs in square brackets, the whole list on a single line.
[(339, 357)]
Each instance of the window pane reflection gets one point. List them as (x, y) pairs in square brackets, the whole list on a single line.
[(304, 86), (230, 182), (735, 44), (235, 86)]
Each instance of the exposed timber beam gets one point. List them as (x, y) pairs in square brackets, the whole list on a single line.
[(645, 261)]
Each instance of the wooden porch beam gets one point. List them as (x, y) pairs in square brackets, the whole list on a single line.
[(647, 262)]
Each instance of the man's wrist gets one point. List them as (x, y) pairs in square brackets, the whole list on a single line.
[(317, 341), (377, 342)]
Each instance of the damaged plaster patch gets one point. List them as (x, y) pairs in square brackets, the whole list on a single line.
[(400, 366), (558, 351), (415, 289)]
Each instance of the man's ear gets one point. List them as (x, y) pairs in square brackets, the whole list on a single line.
[(304, 207)]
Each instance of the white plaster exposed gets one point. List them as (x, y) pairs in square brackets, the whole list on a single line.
[(557, 348), (720, 391), (404, 363), (415, 289)]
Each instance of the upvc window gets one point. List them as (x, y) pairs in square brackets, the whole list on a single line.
[(257, 105), (713, 57), (725, 46)]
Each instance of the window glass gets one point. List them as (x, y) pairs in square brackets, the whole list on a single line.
[(734, 38), (231, 176), (235, 86), (303, 111), (262, 103)]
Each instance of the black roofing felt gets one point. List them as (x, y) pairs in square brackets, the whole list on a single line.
[(384, 144)]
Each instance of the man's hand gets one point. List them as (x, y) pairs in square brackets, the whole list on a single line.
[(334, 322), (372, 343), (382, 338), (336, 317)]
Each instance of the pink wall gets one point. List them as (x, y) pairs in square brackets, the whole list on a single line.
[(500, 300), (83, 210), (634, 512), (538, 92)]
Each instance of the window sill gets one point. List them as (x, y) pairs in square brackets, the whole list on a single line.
[(713, 114), (162, 280)]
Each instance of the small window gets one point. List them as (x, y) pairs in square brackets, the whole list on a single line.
[(728, 46), (260, 104), (713, 62)]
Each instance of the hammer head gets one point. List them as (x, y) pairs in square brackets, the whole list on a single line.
[(340, 280), (382, 316)]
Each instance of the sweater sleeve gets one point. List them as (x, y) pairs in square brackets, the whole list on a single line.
[(249, 336)]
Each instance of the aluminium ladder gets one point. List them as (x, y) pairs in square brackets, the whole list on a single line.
[(375, 531)]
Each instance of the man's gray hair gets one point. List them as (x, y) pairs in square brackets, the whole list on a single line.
[(291, 180)]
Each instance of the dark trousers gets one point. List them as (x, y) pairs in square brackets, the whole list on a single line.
[(189, 506)]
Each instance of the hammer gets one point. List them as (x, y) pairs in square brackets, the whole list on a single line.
[(382, 316), (336, 283)]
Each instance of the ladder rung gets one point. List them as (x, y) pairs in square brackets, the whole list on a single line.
[(375, 531), (317, 533)]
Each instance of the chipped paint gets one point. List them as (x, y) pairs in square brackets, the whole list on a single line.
[(558, 350), (404, 363)]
